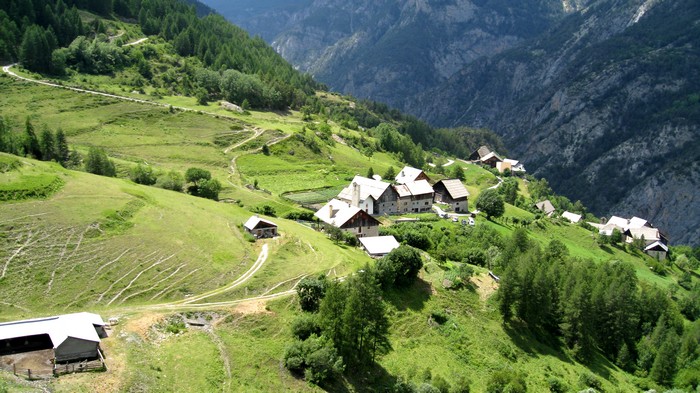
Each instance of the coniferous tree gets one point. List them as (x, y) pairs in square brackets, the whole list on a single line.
[(98, 163), (31, 142), (47, 145), (62, 151), (458, 172), (36, 48)]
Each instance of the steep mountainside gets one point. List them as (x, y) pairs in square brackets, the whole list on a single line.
[(601, 97), (371, 49), (606, 106)]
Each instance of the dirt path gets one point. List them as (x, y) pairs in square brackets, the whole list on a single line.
[(6, 69), (137, 42), (257, 133), (247, 275)]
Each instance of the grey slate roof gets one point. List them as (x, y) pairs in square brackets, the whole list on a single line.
[(455, 188)]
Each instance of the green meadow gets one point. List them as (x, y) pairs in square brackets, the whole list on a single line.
[(72, 241)]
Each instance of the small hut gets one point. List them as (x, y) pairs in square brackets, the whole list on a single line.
[(260, 228)]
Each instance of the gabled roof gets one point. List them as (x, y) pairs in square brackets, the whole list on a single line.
[(573, 217), (481, 152), (379, 245), (420, 187), (515, 165), (618, 221), (491, 155), (337, 213), (402, 190), (546, 207), (455, 188), (59, 328), (656, 246), (255, 221), (368, 188), (408, 174), (650, 234), (636, 222)]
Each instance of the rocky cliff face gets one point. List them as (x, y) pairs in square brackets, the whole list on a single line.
[(606, 106), (388, 49), (600, 96)]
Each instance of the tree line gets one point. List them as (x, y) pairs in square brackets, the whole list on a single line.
[(345, 325), (599, 308)]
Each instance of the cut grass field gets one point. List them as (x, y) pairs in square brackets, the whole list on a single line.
[(102, 243)]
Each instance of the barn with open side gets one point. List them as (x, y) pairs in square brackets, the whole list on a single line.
[(71, 336)]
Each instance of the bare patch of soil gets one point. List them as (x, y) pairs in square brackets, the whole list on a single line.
[(485, 286), (252, 307)]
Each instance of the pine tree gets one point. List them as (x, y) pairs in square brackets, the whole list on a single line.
[(62, 151), (47, 145), (31, 142), (390, 174), (98, 163), (666, 360), (35, 49), (458, 172)]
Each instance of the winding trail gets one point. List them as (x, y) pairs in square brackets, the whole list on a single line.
[(190, 303), (137, 42), (7, 69)]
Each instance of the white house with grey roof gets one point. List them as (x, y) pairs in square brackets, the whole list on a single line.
[(348, 218), (409, 174), (414, 197), (372, 196)]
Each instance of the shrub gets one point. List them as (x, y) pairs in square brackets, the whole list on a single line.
[(305, 325), (506, 380), (142, 175), (310, 292), (400, 267), (589, 380), (316, 358)]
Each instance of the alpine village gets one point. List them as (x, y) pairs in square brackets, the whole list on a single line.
[(184, 210)]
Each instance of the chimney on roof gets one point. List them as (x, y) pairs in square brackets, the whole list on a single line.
[(355, 195), (330, 210)]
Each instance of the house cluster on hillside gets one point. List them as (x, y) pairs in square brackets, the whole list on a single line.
[(485, 156), (355, 207), (654, 241)]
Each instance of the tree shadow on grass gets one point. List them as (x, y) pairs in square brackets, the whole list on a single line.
[(606, 249), (536, 343), (374, 378), (412, 297), (540, 343)]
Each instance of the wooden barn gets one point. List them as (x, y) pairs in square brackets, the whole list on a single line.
[(260, 228), (452, 192)]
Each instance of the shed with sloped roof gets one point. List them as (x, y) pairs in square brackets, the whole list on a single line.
[(452, 192)]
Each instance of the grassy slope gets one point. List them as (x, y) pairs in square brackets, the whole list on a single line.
[(204, 238)]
